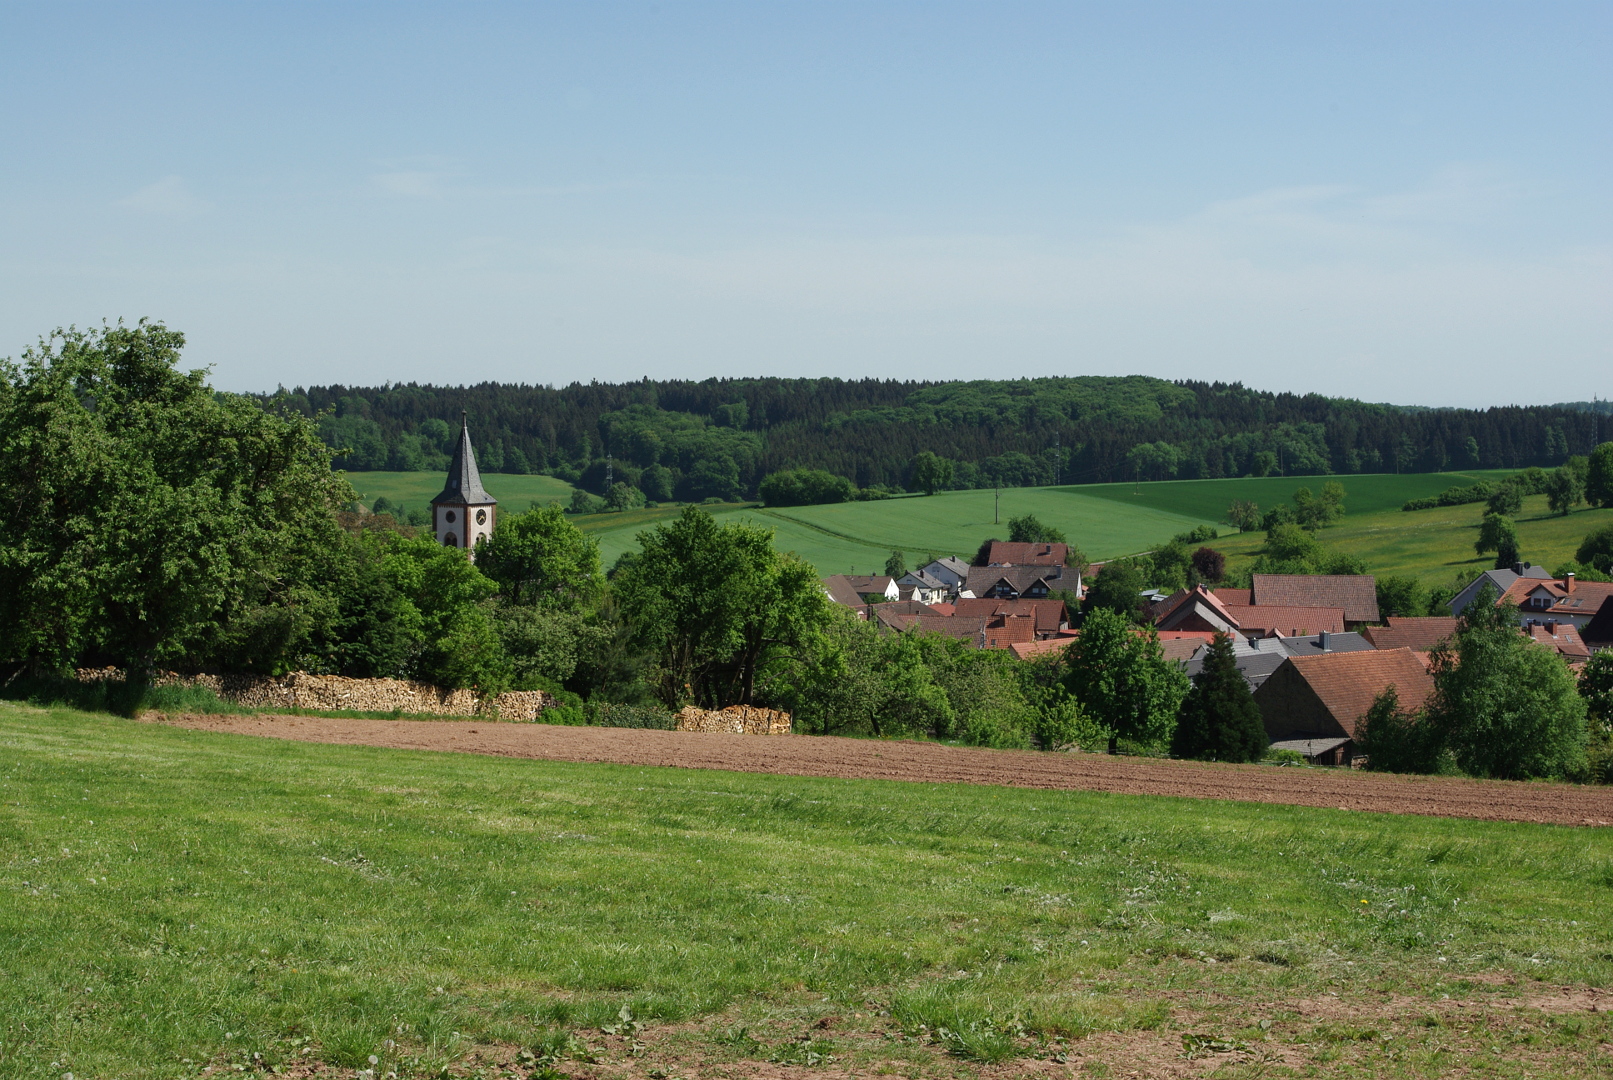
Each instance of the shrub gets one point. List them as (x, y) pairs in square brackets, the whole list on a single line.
[(805, 487), (606, 714)]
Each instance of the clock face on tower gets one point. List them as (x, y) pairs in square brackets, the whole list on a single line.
[(481, 517)]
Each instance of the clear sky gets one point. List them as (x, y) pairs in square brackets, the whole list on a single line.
[(1400, 201)]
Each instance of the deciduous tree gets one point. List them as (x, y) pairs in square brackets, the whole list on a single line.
[(140, 510), (1123, 681), (714, 603)]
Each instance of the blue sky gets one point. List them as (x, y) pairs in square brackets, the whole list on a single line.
[(1403, 202)]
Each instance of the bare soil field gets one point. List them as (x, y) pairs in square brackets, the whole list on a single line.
[(932, 763)]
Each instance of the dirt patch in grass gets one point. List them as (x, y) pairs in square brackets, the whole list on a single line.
[(1360, 1034), (1343, 789)]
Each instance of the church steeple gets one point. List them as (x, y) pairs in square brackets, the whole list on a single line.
[(463, 512)]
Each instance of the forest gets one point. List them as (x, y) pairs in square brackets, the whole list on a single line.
[(719, 438)]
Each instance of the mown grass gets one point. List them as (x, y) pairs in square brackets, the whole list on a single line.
[(173, 899)]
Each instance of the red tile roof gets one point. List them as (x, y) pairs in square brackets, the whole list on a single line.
[(1357, 594), (1587, 597), (1236, 597), (1009, 630), (1011, 553), (1346, 683), (1289, 621), (1419, 633), (1027, 650), (1046, 614), (1564, 639), (970, 630)]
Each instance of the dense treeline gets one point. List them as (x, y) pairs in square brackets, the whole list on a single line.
[(721, 437)]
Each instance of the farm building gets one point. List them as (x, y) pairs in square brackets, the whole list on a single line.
[(1323, 697)]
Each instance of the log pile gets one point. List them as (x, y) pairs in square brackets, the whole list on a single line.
[(332, 693), (735, 720)]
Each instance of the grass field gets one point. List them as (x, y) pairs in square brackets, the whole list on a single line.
[(415, 490), (1437, 545), (1208, 499), (1104, 520), (175, 900)]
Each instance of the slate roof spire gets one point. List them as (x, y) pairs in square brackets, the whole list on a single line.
[(464, 486)]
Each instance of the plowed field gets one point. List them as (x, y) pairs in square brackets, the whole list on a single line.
[(920, 762)]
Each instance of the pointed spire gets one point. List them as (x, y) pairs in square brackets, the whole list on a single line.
[(464, 484)]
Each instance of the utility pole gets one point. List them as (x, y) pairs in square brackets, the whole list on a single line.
[(996, 503)]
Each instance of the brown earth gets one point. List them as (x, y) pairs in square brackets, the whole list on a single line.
[(797, 755)]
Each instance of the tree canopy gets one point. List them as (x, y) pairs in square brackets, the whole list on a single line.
[(143, 511)]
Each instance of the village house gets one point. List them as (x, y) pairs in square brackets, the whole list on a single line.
[(1561, 638), (1257, 657), (1315, 703), (857, 591), (1500, 580), (1557, 601), (1418, 633), (950, 571), (1015, 553), (1355, 594), (924, 587), (1015, 582), (1045, 617)]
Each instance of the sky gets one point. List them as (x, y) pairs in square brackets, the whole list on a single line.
[(1399, 202)]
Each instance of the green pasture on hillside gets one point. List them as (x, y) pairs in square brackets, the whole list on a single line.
[(174, 900), (415, 490), (1209, 499), (1104, 520), (857, 537), (1437, 545)]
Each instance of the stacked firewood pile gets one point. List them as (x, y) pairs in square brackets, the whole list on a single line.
[(735, 720), (330, 693)]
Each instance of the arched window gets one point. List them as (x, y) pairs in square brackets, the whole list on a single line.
[(451, 540)]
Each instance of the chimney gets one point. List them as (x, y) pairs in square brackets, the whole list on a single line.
[(1551, 627), (1322, 640), (1568, 582), (1518, 568)]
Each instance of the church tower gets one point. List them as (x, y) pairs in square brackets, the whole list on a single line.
[(463, 513)]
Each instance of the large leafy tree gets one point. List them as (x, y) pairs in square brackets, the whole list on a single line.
[(1599, 476), (1117, 588), (140, 511), (1505, 706), (1220, 720), (1123, 681), (1497, 533), (931, 472), (714, 604), (1596, 550), (541, 558), (1028, 530)]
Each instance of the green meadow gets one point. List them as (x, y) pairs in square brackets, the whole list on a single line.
[(415, 490), (174, 901), (1104, 520), (1437, 545)]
